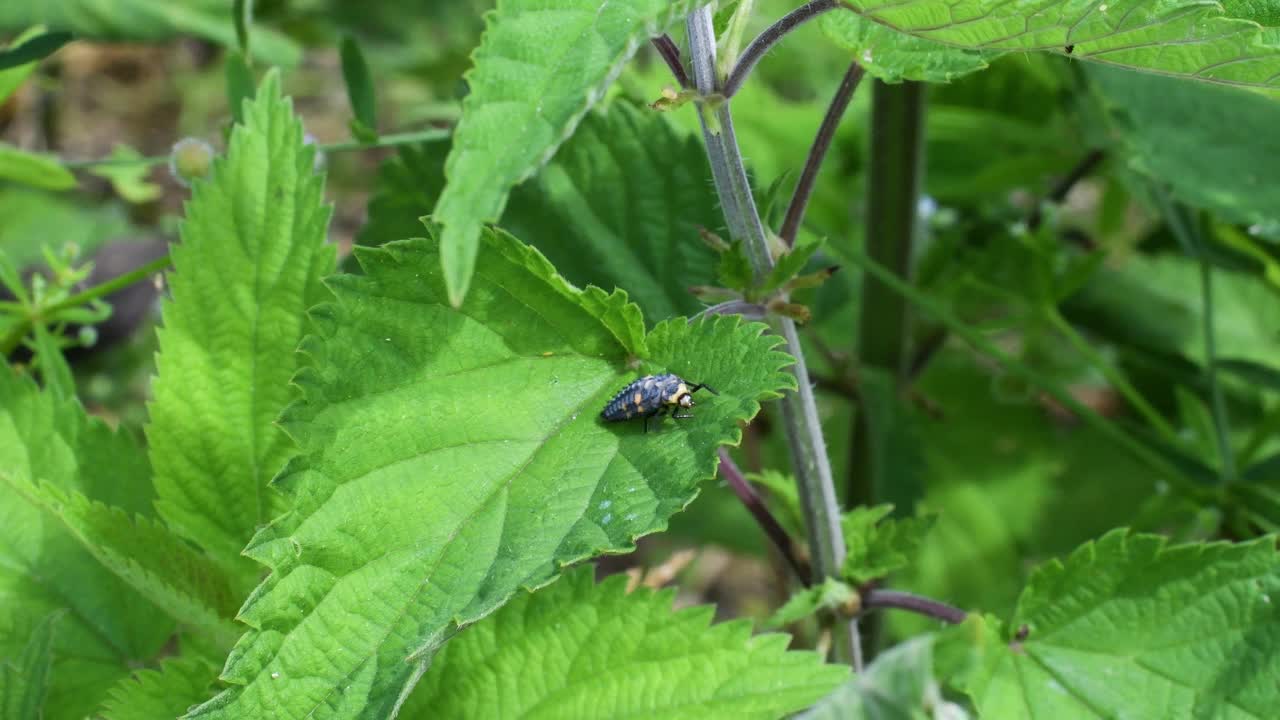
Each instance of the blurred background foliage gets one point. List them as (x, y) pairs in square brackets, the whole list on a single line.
[(1080, 282)]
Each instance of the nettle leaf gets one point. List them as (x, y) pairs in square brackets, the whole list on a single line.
[(621, 204), (166, 692), (246, 271), (893, 56), (24, 680), (877, 546), (453, 456), (147, 21), (831, 594), (106, 626), (899, 685), (1196, 39), (537, 71), (1127, 621), (581, 650), (1211, 145), (144, 554)]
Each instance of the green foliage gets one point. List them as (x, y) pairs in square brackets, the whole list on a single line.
[(877, 546), (536, 73), (831, 594), (580, 650), (1197, 40), (1209, 144), (128, 177), (166, 692), (106, 626), (488, 471), (145, 20), (364, 104), (898, 685), (24, 681), (254, 237), (893, 56), (622, 204), (1127, 619), (34, 169), (22, 55)]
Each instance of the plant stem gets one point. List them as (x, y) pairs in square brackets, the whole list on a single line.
[(800, 413), (770, 37), (893, 191), (876, 599), (755, 505), (670, 54), (975, 339), (393, 140), (821, 143), (1059, 191)]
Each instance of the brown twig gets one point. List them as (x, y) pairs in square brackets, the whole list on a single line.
[(755, 505)]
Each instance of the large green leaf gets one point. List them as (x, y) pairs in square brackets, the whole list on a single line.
[(248, 267), (453, 456), (24, 680), (143, 553), (1195, 39), (106, 627), (1213, 146), (581, 650), (148, 21), (899, 685), (539, 68), (621, 205), (163, 693), (893, 56), (1126, 624)]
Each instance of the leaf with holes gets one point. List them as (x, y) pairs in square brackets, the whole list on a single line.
[(538, 70), (451, 457), (581, 650), (1126, 622), (1194, 39)]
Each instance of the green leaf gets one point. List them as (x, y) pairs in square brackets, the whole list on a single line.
[(832, 595), (107, 626), (248, 267), (621, 205), (581, 650), (55, 374), (144, 554), (240, 84), (893, 56), (355, 71), (35, 219), (128, 179), (23, 54), (165, 692), (1126, 619), (784, 498), (876, 546), (1212, 146), (537, 72), (147, 21), (34, 169), (24, 681), (242, 17), (453, 456), (1193, 39), (899, 685), (408, 183)]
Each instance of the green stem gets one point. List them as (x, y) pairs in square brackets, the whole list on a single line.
[(893, 191), (799, 409), (97, 292), (975, 339), (1187, 231), (383, 141), (1113, 376)]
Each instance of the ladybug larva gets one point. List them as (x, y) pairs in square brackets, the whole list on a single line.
[(652, 395)]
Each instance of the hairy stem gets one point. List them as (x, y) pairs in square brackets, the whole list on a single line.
[(770, 37), (818, 151), (755, 505), (393, 140), (876, 599), (800, 413)]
